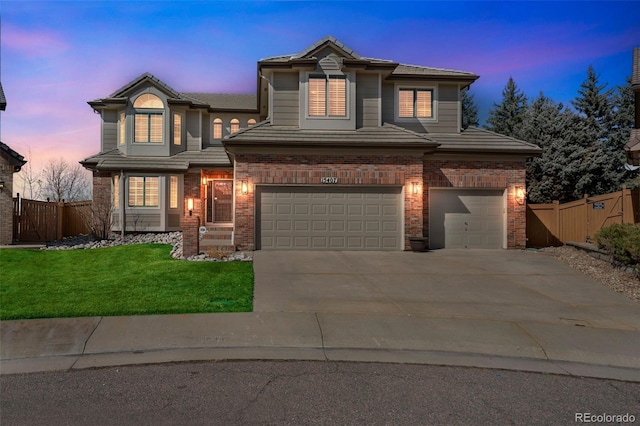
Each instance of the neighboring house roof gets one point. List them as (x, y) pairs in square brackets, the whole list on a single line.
[(386, 136), (3, 100), (635, 75), (474, 140), (115, 160), (12, 156)]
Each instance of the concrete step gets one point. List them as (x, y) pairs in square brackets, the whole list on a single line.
[(217, 243)]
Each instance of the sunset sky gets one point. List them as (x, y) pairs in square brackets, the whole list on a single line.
[(57, 55)]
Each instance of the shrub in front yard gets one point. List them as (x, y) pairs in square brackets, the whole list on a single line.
[(623, 242)]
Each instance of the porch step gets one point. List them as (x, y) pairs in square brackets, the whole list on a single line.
[(218, 236), (216, 243)]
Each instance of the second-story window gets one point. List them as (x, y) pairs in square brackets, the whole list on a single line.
[(415, 103), (235, 125), (327, 96), (121, 128), (217, 128), (148, 119), (177, 129)]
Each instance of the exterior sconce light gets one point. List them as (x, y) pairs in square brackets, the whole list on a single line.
[(1, 185), (245, 188), (520, 195), (415, 186), (190, 206), (204, 180)]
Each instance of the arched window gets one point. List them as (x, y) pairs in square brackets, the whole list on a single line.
[(217, 128), (235, 125), (251, 122), (148, 119)]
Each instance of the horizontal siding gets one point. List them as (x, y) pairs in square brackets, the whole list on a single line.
[(194, 131), (286, 100), (367, 109), (109, 130)]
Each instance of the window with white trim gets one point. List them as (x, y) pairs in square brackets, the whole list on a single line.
[(177, 129), (327, 95), (148, 119), (173, 192), (143, 191), (217, 128), (415, 103)]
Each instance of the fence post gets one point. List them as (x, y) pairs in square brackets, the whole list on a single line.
[(59, 217)]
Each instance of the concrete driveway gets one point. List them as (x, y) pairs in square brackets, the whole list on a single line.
[(475, 284)]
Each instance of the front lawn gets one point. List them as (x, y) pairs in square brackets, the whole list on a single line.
[(139, 279)]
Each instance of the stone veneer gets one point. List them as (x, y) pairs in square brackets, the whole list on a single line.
[(278, 169), (486, 175)]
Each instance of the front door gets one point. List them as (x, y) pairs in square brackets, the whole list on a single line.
[(221, 201)]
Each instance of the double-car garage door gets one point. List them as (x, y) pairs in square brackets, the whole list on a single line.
[(329, 218)]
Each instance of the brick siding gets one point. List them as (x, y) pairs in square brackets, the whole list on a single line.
[(6, 202)]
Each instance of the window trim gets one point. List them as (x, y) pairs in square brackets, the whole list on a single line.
[(416, 87), (149, 112), (327, 76), (144, 192)]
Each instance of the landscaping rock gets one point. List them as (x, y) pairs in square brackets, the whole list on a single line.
[(84, 242)]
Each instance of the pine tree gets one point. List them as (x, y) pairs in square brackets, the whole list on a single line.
[(555, 174), (595, 108), (506, 118), (469, 109)]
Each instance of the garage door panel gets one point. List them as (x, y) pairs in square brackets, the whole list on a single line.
[(465, 218), (336, 218)]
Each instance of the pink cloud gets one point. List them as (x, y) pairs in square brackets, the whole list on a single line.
[(32, 43)]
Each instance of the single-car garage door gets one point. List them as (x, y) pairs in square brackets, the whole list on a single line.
[(466, 218), (329, 218)]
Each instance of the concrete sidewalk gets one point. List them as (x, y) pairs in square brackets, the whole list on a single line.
[(500, 309), (78, 343)]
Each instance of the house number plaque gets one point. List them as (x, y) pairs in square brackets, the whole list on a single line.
[(328, 179)]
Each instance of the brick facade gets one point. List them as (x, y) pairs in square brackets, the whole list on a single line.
[(486, 175), (6, 202), (267, 169)]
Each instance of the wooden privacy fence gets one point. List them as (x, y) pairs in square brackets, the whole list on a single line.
[(554, 224), (42, 221)]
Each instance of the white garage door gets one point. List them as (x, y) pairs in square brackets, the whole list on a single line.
[(466, 218), (329, 218)]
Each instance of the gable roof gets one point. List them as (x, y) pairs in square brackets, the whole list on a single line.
[(3, 100), (215, 101), (12, 156), (399, 71)]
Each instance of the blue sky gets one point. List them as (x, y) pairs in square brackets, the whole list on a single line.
[(57, 55)]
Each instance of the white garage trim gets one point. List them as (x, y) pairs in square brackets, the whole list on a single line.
[(467, 218), (329, 217)]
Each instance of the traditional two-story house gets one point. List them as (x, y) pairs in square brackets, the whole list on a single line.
[(336, 151)]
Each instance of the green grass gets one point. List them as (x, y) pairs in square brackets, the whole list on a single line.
[(127, 280)]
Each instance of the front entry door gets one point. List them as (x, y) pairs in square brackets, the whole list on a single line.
[(221, 205)]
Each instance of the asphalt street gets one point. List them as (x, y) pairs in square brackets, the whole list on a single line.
[(307, 392)]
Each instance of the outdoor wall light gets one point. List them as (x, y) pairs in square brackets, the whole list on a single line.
[(520, 195), (190, 206), (204, 180), (245, 188), (1, 185), (416, 187)]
